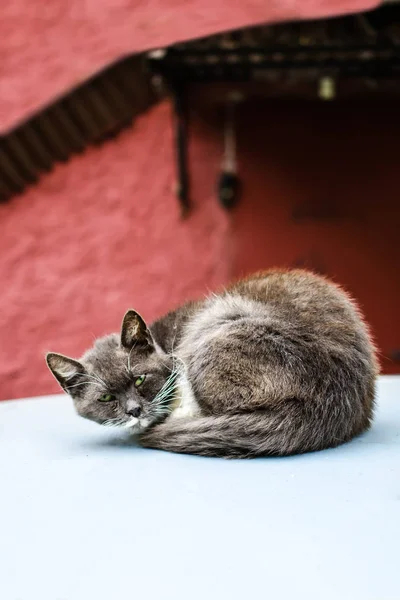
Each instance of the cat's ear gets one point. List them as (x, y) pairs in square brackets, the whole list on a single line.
[(66, 370), (134, 332)]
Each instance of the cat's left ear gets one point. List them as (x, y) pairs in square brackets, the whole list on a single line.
[(66, 370), (134, 332)]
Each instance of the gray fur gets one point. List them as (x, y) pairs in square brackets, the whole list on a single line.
[(280, 363)]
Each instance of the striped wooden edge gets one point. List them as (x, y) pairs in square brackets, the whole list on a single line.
[(90, 114)]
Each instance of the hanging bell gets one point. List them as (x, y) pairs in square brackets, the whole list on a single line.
[(228, 189), (229, 186)]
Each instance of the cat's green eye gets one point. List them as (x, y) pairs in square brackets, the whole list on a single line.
[(106, 398), (139, 380)]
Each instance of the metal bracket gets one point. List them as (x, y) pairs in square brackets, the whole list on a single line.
[(181, 138)]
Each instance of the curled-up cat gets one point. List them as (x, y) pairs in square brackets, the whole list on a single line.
[(279, 363)]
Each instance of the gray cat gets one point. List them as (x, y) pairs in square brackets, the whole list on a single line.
[(279, 363)]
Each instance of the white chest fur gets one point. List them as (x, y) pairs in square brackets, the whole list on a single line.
[(185, 405)]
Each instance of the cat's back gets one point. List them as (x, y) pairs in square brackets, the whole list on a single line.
[(303, 299), (293, 301), (297, 289)]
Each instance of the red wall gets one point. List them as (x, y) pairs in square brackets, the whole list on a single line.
[(102, 233), (99, 235)]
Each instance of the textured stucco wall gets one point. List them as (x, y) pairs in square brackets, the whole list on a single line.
[(99, 235), (47, 46), (102, 233)]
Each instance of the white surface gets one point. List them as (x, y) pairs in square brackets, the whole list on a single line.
[(84, 516)]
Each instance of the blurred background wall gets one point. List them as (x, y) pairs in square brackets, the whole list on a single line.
[(321, 183), (98, 235), (103, 232), (49, 46)]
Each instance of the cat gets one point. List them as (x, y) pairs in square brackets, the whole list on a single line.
[(277, 364)]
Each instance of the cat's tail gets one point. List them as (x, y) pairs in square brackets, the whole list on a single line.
[(279, 431)]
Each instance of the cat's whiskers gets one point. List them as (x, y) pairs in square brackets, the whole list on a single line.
[(96, 378), (161, 402), (115, 422), (173, 341), (133, 369), (84, 383), (177, 359), (100, 380), (129, 357), (165, 365), (167, 385)]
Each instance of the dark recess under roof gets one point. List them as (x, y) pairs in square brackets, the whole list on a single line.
[(363, 48)]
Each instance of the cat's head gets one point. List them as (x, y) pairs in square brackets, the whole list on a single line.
[(123, 380)]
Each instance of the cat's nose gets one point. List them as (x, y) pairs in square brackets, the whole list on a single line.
[(134, 411)]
